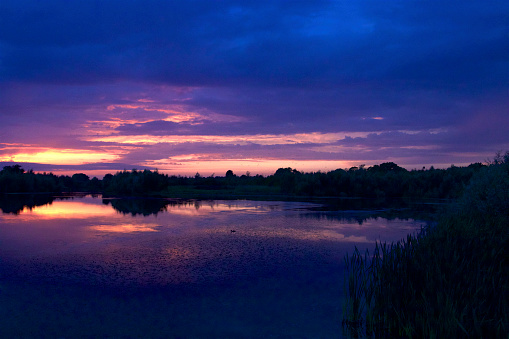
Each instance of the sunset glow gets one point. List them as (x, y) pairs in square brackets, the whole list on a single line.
[(60, 157), (194, 165), (193, 94)]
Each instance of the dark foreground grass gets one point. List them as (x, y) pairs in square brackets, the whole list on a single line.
[(449, 281)]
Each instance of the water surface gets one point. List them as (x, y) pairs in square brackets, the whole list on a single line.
[(87, 266)]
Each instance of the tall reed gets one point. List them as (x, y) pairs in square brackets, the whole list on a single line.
[(449, 280), (430, 285)]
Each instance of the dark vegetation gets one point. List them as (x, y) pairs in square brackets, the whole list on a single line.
[(449, 281), (16, 203), (14, 179), (386, 180)]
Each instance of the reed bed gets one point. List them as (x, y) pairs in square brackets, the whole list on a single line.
[(451, 280), (432, 285)]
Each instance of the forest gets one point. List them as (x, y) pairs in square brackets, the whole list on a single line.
[(386, 180)]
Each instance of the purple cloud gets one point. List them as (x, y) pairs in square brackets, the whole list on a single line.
[(419, 82)]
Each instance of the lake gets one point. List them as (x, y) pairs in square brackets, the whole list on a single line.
[(87, 266)]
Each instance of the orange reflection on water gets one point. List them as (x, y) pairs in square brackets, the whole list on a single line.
[(203, 208), (126, 228), (68, 210)]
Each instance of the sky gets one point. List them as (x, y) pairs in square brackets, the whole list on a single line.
[(207, 86)]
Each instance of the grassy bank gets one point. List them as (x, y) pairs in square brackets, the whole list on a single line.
[(450, 280)]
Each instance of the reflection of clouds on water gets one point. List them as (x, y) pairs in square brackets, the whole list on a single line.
[(206, 207), (126, 228), (61, 210), (184, 241), (203, 210), (310, 234), (154, 206), (14, 204), (69, 210)]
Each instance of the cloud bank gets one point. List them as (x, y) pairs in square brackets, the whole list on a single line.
[(206, 86)]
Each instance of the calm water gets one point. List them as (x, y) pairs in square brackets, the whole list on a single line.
[(92, 267)]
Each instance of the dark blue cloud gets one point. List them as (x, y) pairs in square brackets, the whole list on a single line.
[(417, 44)]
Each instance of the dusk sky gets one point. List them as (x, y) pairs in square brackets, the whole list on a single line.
[(207, 86)]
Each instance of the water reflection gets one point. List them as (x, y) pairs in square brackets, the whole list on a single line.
[(281, 265), (146, 207), (139, 206), (168, 241), (126, 228), (93, 217), (18, 203), (15, 203), (68, 210), (349, 210)]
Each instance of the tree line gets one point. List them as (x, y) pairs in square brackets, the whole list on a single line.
[(385, 180)]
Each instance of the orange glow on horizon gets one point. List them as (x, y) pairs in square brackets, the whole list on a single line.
[(241, 166), (60, 157)]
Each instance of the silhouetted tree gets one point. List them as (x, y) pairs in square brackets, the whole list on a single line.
[(79, 182)]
